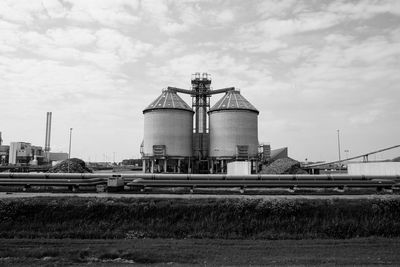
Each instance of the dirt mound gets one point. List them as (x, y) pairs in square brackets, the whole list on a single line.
[(73, 165), (283, 166)]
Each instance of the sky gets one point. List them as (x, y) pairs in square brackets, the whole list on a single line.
[(310, 67)]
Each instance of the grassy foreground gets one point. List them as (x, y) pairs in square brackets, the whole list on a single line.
[(130, 218)]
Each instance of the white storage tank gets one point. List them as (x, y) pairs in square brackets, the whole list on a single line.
[(168, 127), (233, 128)]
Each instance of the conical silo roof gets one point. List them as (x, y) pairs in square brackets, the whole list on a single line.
[(233, 100), (168, 100)]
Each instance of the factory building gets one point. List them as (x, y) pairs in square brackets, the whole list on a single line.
[(22, 153), (4, 151), (183, 139)]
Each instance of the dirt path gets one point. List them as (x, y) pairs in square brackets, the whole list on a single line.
[(199, 252)]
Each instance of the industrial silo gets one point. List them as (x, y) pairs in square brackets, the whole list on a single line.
[(168, 129), (233, 131)]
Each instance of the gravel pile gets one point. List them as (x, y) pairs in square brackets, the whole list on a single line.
[(73, 165), (283, 166)]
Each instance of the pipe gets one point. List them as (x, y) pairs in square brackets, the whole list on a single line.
[(223, 90), (192, 92), (52, 182), (174, 176), (179, 90), (260, 184)]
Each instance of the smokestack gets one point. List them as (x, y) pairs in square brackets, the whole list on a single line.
[(48, 132)]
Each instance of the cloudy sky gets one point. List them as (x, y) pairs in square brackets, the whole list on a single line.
[(310, 67)]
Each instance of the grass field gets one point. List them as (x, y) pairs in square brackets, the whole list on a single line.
[(201, 252), (131, 218), (65, 231)]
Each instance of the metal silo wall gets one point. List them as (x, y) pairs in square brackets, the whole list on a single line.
[(172, 128), (230, 128)]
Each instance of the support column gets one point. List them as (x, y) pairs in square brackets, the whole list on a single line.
[(212, 167), (189, 170), (179, 165), (144, 165), (152, 166), (165, 165)]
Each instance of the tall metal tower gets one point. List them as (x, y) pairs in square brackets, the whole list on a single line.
[(201, 92), (201, 100)]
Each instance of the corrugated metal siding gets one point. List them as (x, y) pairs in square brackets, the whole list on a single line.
[(374, 168)]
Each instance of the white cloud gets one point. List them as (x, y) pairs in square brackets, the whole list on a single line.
[(71, 37), (105, 12), (295, 54), (106, 48), (157, 9), (168, 48), (339, 39), (366, 117), (54, 8), (259, 46), (20, 11), (374, 50), (345, 51), (109, 13), (172, 28), (170, 23), (8, 37), (308, 66), (275, 8), (302, 23), (395, 35), (364, 9), (126, 49), (224, 17)]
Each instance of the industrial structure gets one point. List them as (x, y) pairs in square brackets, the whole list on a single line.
[(4, 151), (173, 142), (47, 137), (24, 153)]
